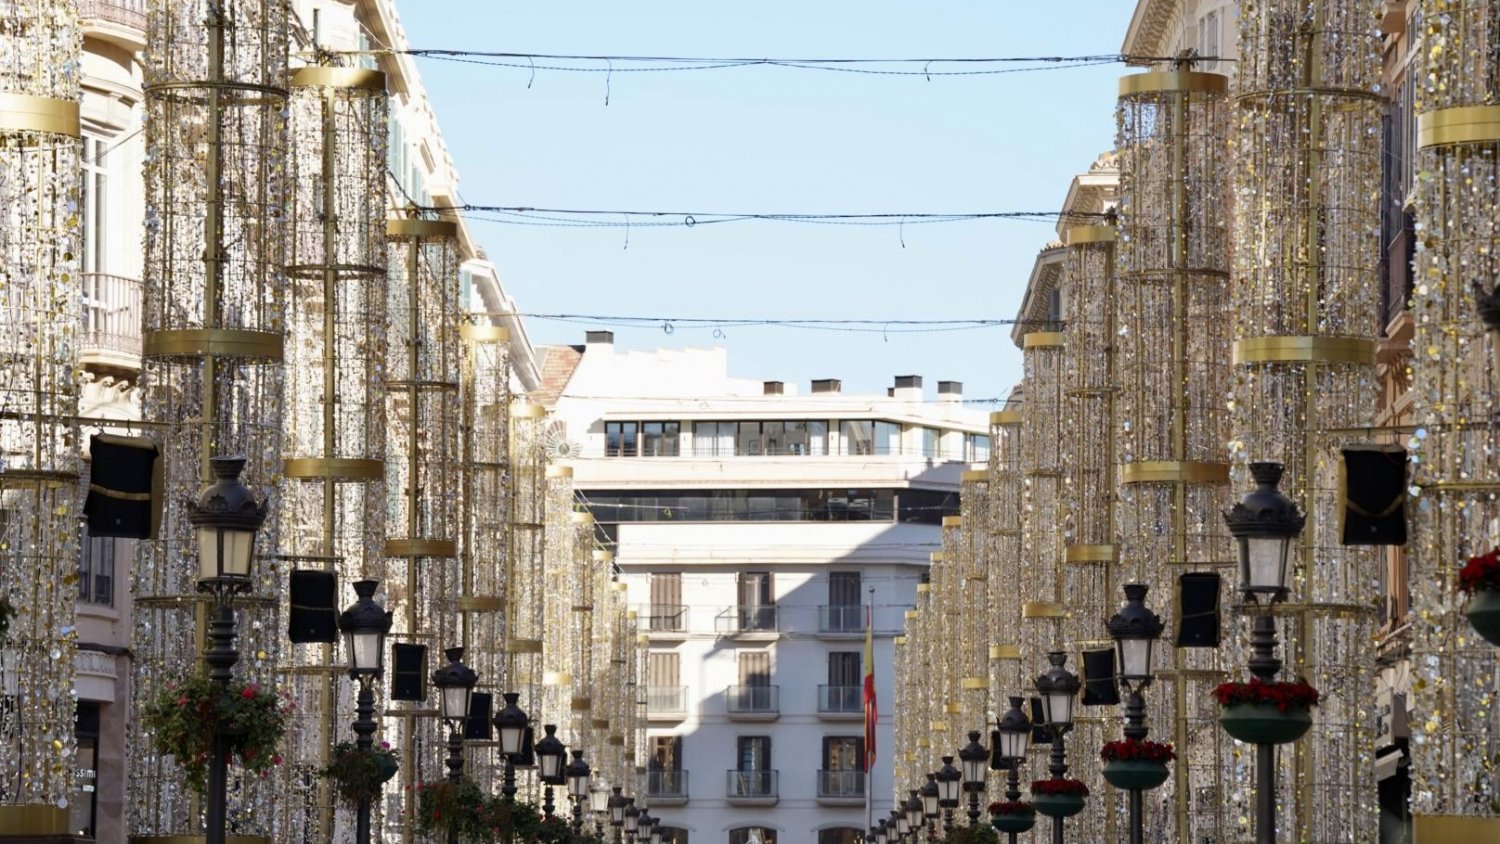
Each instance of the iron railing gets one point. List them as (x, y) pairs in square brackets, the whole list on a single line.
[(837, 784), (111, 313), (841, 699), (753, 700), (754, 784)]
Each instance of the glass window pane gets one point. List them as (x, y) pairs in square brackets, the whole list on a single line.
[(858, 436), (887, 438), (748, 440), (817, 438)]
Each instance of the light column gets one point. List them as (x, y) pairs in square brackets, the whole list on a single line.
[(1039, 582), (40, 316), (1306, 299), (1456, 449), (1006, 671)]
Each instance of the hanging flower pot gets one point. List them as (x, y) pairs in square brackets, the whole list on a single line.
[(1258, 712), (1058, 798), (1480, 580), (1136, 763), (1012, 816)]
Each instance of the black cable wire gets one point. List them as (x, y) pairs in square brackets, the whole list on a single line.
[(580, 217), (714, 62)]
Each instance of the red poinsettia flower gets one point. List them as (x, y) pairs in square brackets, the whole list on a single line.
[(1059, 786), (1284, 696), (1133, 750), (1480, 573), (1012, 807)]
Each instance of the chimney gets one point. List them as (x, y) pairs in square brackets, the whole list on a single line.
[(772, 388), (599, 342), (908, 388), (950, 391), (827, 385)]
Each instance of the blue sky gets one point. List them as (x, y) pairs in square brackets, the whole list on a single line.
[(771, 140)]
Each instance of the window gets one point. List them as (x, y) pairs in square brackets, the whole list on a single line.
[(755, 668), (843, 588), (753, 753), (659, 439), (664, 690), (840, 835), (666, 601), (752, 835), (619, 439), (930, 439), (96, 570), (844, 668), (672, 835), (747, 440), (887, 438), (757, 601), (858, 436), (843, 753), (94, 200), (976, 448), (666, 753), (714, 439), (1208, 39)]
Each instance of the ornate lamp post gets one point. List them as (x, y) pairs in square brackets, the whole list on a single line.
[(599, 804), (644, 828), (931, 796), (1135, 630), (578, 788), (1057, 686), (225, 518), (975, 758), (617, 804), (364, 625), (1014, 736), (455, 683), (949, 779), (913, 809), (510, 723), (882, 835), (632, 820), (551, 753), (1265, 524)]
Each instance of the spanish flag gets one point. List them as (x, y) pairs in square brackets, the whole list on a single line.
[(872, 715)]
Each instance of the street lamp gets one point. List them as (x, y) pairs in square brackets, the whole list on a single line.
[(931, 796), (455, 683), (550, 756), (1135, 630), (364, 625), (632, 819), (1014, 736), (903, 826), (913, 809), (948, 780), (617, 804), (577, 773), (975, 759), (1266, 524), (599, 798), (225, 518), (1057, 686), (510, 723), (646, 825)]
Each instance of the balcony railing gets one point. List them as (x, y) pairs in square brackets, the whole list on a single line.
[(746, 619), (841, 700), (754, 785), (838, 785), (131, 13), (666, 700), (665, 618), (111, 314), (668, 785), (753, 700), (841, 619)]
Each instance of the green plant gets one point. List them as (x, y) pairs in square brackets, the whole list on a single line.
[(1282, 695), (7, 612), (358, 774), (186, 714), (1059, 786), (446, 807), (1132, 750), (1012, 807), (982, 834)]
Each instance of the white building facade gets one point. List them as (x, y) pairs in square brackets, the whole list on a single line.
[(755, 528)]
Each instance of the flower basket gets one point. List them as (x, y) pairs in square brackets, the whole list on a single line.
[(359, 774), (186, 715), (445, 808), (1483, 612), (1135, 775), (1264, 723), (1012, 816), (1058, 798)]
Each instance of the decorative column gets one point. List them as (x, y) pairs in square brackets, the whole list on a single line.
[(332, 495), (1003, 524), (213, 321), (557, 598), (971, 656), (524, 593), (423, 467), (39, 490), (1172, 334), (1456, 449), (1306, 315), (1040, 584)]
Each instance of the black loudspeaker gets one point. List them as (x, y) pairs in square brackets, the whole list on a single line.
[(1374, 481), (1198, 623), (312, 617), (997, 762), (124, 497), (409, 678), (1099, 687), (527, 757), (1040, 734), (477, 725)]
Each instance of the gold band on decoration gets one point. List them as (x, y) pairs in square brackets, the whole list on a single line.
[(954, 709), (1005, 417), (481, 603), (196, 839), (935, 556), (581, 518), (1305, 349), (617, 740), (219, 342), (404, 228), (338, 77), (1091, 554), (938, 726), (923, 587), (924, 742), (1454, 829), (1173, 471), (953, 521), (524, 646), (559, 471), (1005, 651), (420, 548), (974, 476), (581, 704), (334, 468), (603, 556), (526, 410), (1043, 340), (899, 640), (557, 678), (1043, 609), (599, 723), (25, 113), (1079, 235), (1461, 125), (33, 820), (913, 615), (1187, 81), (974, 683), (483, 333)]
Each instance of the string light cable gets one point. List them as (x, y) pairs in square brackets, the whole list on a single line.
[(627, 218)]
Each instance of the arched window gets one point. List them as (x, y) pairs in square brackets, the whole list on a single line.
[(752, 835), (673, 835), (840, 835)]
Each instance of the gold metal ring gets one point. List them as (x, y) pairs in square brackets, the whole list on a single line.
[(420, 548), (953, 521), (1091, 554), (25, 113), (935, 556), (1454, 829), (1005, 417), (525, 410), (524, 646), (1079, 235), (1005, 651), (1173, 471), (938, 726), (603, 556), (557, 678), (954, 709), (923, 587), (334, 468), (559, 471), (1172, 82), (1304, 349), (913, 615), (406, 228), (899, 640), (216, 342), (34, 819), (974, 476), (484, 333), (338, 77), (1043, 340), (581, 704), (974, 683), (1043, 609), (1460, 125), (481, 603)]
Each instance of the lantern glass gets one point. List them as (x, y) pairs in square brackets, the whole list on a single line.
[(974, 769), (880, 836), (1059, 706), (632, 820), (549, 767), (1263, 561), (455, 703), (617, 809), (948, 790), (224, 552), (511, 739), (1013, 743), (930, 803), (655, 836), (599, 800), (1135, 658), (366, 651), (903, 825), (914, 814)]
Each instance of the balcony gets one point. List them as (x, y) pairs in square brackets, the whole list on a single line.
[(747, 621), (121, 22), (664, 621), (666, 788), (751, 788), (841, 620), (111, 321), (753, 703), (841, 788), (666, 703), (839, 703)]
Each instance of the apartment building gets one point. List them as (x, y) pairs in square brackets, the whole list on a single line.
[(756, 525)]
